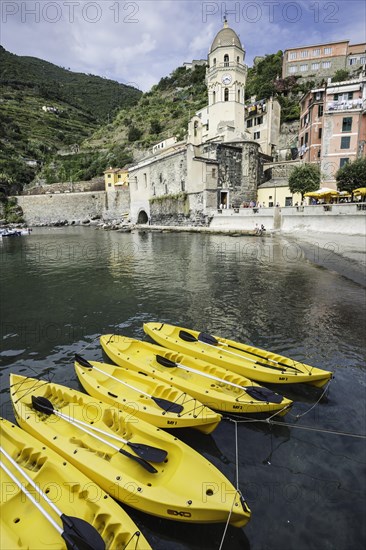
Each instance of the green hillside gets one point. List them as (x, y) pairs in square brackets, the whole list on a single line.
[(162, 112), (80, 104), (101, 123)]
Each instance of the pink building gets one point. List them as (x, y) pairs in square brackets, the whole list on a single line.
[(333, 126), (317, 61)]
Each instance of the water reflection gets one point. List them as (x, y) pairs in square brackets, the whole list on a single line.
[(61, 289)]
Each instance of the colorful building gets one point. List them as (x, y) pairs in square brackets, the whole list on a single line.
[(115, 177), (333, 126), (263, 123), (317, 61)]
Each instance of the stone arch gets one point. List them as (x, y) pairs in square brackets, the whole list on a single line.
[(142, 217)]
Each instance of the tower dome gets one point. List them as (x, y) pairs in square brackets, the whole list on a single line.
[(226, 37)]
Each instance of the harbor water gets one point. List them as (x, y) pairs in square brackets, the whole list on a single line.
[(303, 478)]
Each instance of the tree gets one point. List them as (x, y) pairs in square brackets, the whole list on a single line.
[(134, 133), (155, 127), (304, 178), (352, 175), (340, 75)]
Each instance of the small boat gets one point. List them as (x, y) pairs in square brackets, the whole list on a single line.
[(135, 462), (45, 500), (145, 397), (255, 363), (10, 233), (214, 386)]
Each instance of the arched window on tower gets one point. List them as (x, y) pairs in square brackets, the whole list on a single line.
[(226, 60), (214, 98), (238, 59), (238, 96), (195, 128), (214, 62), (226, 94)]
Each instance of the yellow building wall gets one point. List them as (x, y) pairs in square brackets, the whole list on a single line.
[(277, 195), (113, 178)]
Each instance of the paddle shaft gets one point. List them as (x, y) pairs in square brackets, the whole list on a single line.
[(144, 463), (165, 404), (243, 357), (122, 382), (76, 422), (259, 356), (143, 450), (28, 494), (93, 428), (216, 378)]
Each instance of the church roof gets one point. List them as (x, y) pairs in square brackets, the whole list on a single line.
[(226, 37)]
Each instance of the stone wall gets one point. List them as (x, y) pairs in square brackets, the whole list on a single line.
[(96, 184), (74, 207), (175, 210), (250, 173), (347, 219)]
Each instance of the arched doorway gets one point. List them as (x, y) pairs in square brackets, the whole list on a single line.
[(142, 217)]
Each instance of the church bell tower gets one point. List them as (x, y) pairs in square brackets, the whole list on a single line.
[(226, 78)]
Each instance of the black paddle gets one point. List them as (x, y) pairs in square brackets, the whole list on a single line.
[(256, 392), (168, 406), (44, 405), (77, 533), (210, 340)]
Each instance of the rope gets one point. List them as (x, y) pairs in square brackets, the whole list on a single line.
[(236, 482), (286, 424), (316, 402), (90, 343)]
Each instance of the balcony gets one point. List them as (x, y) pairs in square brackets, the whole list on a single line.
[(346, 105)]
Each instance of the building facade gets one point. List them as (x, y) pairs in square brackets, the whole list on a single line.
[(333, 126), (115, 177), (263, 123), (344, 126), (311, 125), (318, 61), (217, 164)]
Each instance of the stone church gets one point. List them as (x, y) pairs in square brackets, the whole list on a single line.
[(218, 165)]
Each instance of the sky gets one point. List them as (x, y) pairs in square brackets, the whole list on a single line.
[(140, 41)]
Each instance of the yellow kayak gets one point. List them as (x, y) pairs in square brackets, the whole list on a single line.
[(145, 397), (214, 386), (135, 462), (30, 468), (255, 363)]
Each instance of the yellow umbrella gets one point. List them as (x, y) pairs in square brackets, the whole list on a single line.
[(359, 191), (322, 192)]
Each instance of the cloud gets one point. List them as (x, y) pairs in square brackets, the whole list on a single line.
[(142, 41)]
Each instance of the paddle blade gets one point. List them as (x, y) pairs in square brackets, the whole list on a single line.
[(42, 404), (187, 336), (207, 339), (154, 454), (263, 394), (83, 362), (149, 467), (80, 535), (168, 406), (165, 362)]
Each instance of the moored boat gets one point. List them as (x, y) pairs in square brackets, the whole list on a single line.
[(214, 386), (145, 397), (135, 462), (255, 363), (30, 468)]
